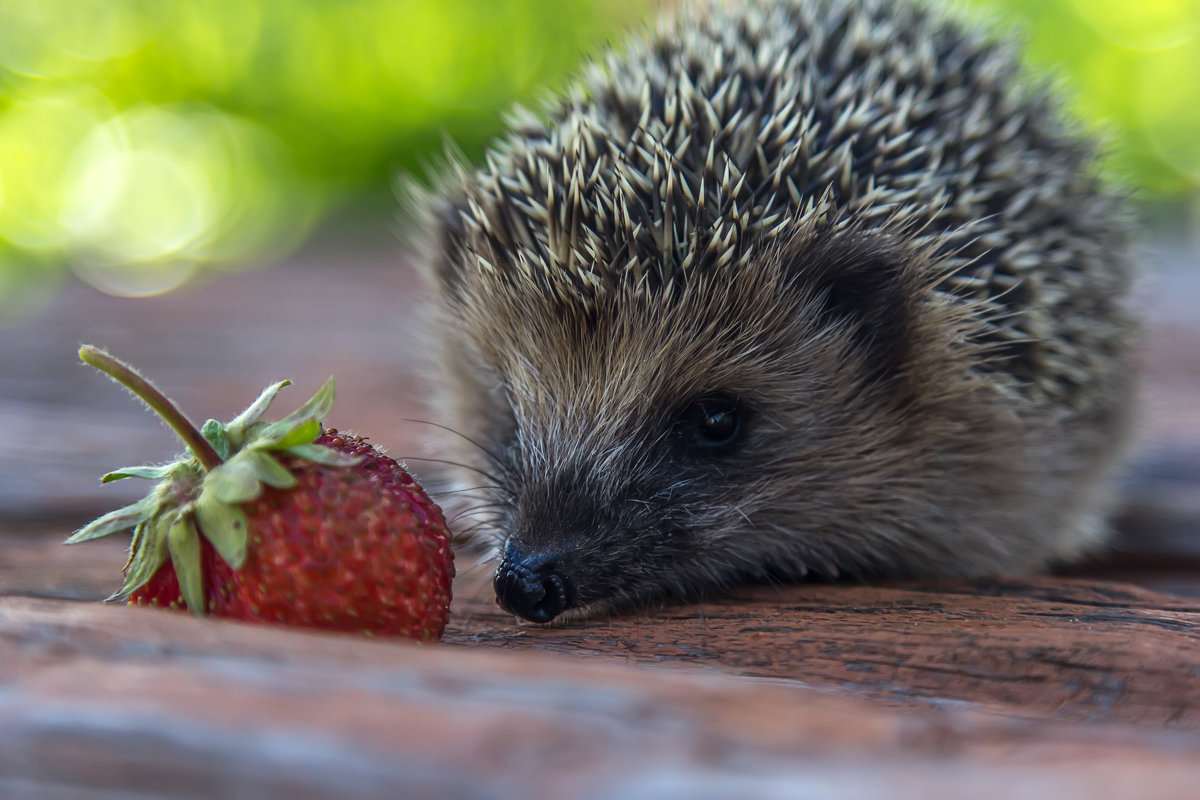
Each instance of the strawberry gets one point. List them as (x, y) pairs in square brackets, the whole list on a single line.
[(284, 522)]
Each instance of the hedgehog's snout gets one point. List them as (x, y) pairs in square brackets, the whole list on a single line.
[(531, 585)]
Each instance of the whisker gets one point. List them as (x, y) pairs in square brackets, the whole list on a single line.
[(461, 435), (479, 512), (455, 497), (474, 528), (481, 493), (482, 472), (464, 489), (457, 504), (475, 514), (481, 505), (475, 510)]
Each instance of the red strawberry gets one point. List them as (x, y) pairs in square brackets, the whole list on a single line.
[(281, 522)]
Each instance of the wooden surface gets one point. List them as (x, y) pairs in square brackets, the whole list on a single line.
[(1056, 647), (134, 700), (127, 700), (914, 692), (1076, 685)]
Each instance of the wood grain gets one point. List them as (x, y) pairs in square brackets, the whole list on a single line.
[(111, 701), (1053, 647)]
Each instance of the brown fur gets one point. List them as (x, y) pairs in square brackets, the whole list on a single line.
[(852, 218)]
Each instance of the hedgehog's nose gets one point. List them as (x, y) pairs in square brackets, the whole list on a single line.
[(531, 586)]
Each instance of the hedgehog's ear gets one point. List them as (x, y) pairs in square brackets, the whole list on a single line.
[(863, 285)]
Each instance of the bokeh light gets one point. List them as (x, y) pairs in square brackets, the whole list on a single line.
[(38, 134), (142, 142), (1149, 25), (1129, 72)]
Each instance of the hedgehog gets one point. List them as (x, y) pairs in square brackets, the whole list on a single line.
[(781, 290)]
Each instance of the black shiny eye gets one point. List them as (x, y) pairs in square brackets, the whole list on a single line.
[(710, 424)]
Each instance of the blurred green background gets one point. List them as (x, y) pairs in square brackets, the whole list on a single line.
[(144, 141)]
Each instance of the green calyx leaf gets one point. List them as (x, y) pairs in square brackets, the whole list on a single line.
[(248, 432), (295, 435), (218, 437), (235, 481), (225, 526), (283, 434), (317, 407), (122, 519), (268, 470), (251, 415), (183, 543), (149, 473), (326, 456), (147, 554), (241, 478)]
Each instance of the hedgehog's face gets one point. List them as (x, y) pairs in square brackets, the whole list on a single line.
[(653, 443)]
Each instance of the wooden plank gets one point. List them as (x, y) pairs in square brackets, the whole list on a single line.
[(103, 701), (34, 562), (1056, 647), (1048, 647)]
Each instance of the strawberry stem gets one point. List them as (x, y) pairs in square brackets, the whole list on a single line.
[(158, 402)]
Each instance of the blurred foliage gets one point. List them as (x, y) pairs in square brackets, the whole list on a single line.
[(140, 139), (143, 139), (1131, 71)]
